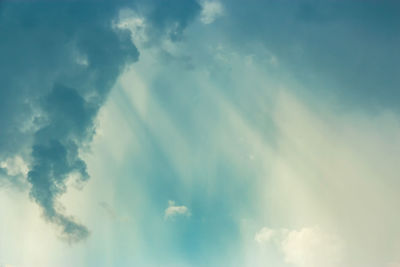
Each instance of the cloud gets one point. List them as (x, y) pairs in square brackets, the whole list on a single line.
[(13, 171), (173, 210), (15, 166), (59, 62), (167, 19), (51, 99), (136, 24), (307, 247), (211, 10), (264, 235), (312, 247)]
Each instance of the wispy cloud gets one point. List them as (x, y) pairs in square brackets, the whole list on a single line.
[(175, 210), (264, 235)]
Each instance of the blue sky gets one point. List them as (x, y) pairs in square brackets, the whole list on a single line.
[(199, 133)]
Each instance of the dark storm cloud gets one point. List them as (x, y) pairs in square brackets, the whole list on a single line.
[(58, 62)]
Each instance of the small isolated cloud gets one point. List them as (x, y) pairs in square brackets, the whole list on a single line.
[(211, 10), (307, 247), (173, 210)]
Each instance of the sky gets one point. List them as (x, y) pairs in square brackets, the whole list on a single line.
[(202, 133)]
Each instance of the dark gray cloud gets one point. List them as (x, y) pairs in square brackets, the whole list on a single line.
[(58, 62)]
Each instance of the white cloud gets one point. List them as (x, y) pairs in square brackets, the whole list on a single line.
[(307, 247), (174, 210), (264, 235), (135, 23), (211, 11), (15, 166), (312, 247)]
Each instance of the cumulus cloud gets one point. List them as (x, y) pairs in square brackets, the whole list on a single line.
[(174, 210), (307, 247), (211, 10), (59, 62)]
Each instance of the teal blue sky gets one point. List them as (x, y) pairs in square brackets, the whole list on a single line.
[(199, 133)]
